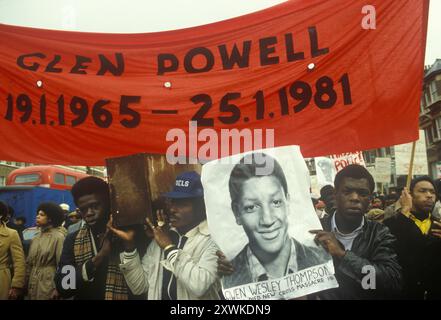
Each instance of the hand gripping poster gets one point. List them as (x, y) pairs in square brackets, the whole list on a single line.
[(259, 213)]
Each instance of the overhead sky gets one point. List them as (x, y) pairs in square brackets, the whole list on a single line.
[(433, 47), (126, 16)]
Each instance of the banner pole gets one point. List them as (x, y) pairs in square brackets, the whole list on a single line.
[(409, 174)]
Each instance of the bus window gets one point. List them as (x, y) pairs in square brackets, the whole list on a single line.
[(27, 178), (59, 178), (45, 176), (70, 180)]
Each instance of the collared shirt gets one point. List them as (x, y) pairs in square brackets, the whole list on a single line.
[(259, 272), (347, 239)]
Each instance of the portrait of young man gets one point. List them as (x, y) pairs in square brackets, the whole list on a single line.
[(261, 210), (260, 204)]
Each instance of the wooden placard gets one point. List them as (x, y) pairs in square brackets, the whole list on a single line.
[(137, 183)]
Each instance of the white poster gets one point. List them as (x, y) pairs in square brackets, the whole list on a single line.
[(324, 167), (382, 170), (438, 170), (315, 189), (371, 170), (342, 160), (403, 153), (259, 212)]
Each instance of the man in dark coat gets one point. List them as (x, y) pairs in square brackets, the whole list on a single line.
[(366, 264), (88, 251), (418, 240)]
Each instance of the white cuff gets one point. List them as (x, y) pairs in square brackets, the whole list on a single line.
[(171, 257), (84, 274), (127, 256)]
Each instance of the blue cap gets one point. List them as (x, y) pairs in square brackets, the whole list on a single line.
[(187, 185)]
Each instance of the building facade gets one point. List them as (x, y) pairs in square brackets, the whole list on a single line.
[(430, 117)]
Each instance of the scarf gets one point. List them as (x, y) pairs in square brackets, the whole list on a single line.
[(84, 249), (423, 225)]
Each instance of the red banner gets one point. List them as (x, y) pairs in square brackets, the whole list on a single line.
[(78, 98)]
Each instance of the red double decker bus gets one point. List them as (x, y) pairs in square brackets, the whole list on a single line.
[(45, 176)]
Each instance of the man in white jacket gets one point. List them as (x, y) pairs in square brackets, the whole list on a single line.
[(181, 264)]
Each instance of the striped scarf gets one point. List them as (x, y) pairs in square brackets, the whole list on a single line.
[(116, 287)]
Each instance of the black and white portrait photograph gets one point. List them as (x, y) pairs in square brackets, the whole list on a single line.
[(259, 213)]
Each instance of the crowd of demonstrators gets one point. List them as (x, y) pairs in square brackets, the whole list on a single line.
[(12, 259), (45, 252), (181, 262), (398, 236), (185, 255), (414, 219), (353, 241)]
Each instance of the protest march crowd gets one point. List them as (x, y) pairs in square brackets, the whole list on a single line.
[(326, 77), (82, 254)]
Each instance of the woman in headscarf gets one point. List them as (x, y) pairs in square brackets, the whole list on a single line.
[(45, 252), (11, 259)]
